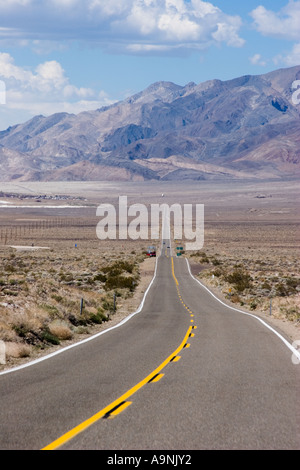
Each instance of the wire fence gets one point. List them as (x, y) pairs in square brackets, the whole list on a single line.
[(12, 231)]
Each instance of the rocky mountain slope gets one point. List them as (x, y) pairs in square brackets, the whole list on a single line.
[(248, 127)]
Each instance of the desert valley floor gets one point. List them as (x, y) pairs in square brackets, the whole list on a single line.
[(51, 258)]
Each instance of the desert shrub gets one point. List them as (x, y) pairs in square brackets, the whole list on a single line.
[(10, 292), (48, 337), (292, 283), (26, 330), (196, 253), (240, 279), (204, 258), (121, 282), (217, 272), (17, 350), (112, 270), (98, 317), (100, 277), (9, 268), (118, 267), (60, 330), (74, 320), (126, 266), (283, 290), (22, 329), (66, 277), (108, 305), (293, 314), (265, 285)]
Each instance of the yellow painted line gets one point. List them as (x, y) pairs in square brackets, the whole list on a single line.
[(187, 345), (176, 359), (118, 410), (156, 378), (106, 411), (173, 273)]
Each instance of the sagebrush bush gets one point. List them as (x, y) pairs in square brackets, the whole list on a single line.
[(17, 350), (122, 282), (240, 279), (60, 330)]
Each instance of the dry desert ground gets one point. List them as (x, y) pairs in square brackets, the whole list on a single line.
[(60, 283)]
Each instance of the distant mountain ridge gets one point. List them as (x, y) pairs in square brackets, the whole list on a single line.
[(248, 127)]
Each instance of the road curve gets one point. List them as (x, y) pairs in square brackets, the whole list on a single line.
[(186, 372)]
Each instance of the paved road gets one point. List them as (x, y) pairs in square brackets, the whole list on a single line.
[(184, 373)]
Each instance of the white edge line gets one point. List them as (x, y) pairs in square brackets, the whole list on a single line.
[(290, 346), (44, 358)]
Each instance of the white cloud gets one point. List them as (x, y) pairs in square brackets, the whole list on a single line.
[(257, 60), (178, 28), (44, 90), (283, 24), (227, 32), (121, 24), (290, 58), (50, 75)]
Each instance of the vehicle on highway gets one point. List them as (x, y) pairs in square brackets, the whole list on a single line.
[(151, 252)]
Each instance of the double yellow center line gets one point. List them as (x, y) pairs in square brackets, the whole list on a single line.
[(179, 294), (121, 403)]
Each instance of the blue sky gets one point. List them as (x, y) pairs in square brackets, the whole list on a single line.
[(77, 55)]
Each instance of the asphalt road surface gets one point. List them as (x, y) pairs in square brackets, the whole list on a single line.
[(186, 372)]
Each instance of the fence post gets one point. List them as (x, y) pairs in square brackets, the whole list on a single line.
[(2, 353)]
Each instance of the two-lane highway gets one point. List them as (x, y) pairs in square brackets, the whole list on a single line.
[(186, 372)]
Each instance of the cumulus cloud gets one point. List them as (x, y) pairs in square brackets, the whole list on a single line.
[(44, 90), (122, 25), (284, 24)]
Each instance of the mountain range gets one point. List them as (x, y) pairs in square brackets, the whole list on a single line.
[(248, 127)]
